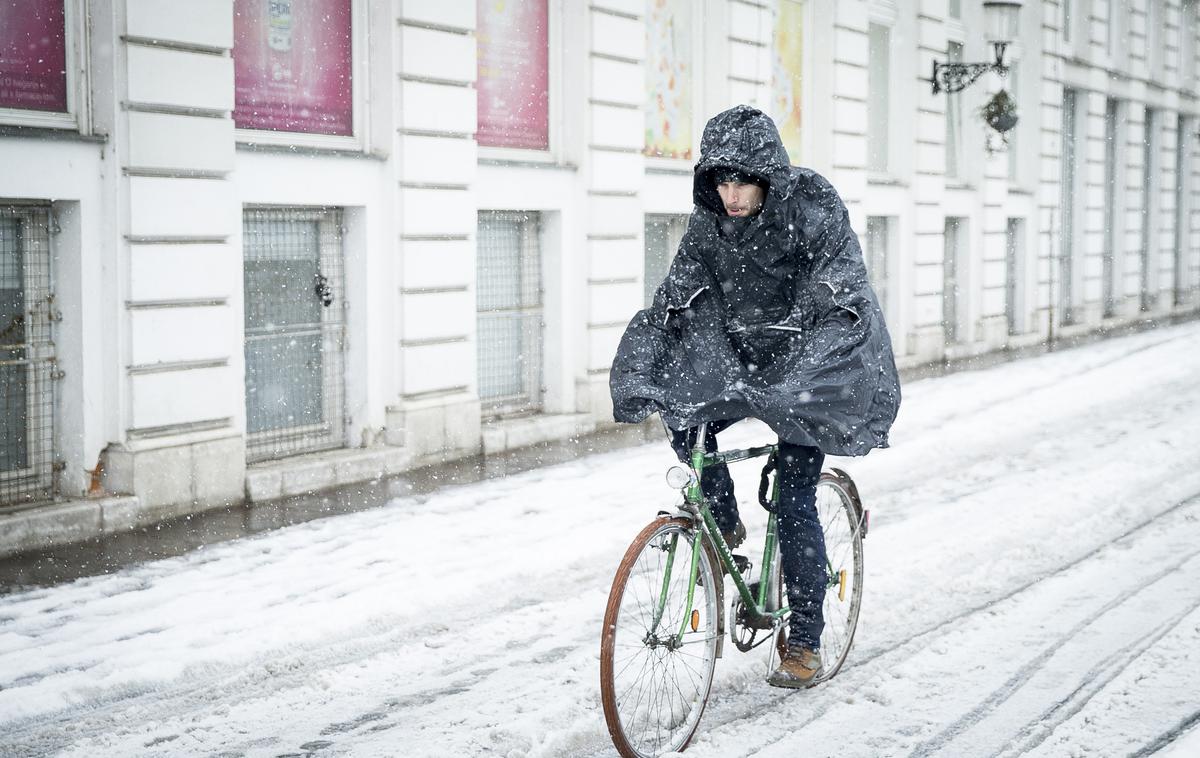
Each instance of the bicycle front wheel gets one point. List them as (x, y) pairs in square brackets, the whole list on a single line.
[(657, 654)]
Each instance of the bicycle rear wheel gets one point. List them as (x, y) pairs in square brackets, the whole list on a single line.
[(841, 523), (653, 688)]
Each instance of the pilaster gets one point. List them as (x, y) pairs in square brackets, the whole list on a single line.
[(924, 341), (436, 412), (614, 170), (181, 445)]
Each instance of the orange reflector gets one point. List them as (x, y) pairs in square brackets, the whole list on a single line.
[(842, 586), (695, 620)]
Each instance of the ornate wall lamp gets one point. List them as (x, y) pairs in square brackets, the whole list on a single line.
[(1001, 18)]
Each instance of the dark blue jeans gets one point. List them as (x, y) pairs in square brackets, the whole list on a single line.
[(801, 540)]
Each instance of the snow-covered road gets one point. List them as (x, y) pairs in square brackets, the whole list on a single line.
[(1032, 588)]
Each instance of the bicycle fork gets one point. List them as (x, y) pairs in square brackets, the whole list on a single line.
[(690, 615)]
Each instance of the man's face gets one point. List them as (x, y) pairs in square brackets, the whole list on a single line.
[(741, 198)]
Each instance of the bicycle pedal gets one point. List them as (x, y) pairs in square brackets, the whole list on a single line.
[(743, 563)]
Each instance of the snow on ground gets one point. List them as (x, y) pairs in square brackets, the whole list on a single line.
[(1032, 588)]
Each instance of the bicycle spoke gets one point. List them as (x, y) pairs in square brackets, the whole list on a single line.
[(657, 682)]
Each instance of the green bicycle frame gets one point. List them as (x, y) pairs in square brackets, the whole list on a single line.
[(694, 501)]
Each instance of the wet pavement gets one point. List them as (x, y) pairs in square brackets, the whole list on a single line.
[(107, 554), (110, 553)]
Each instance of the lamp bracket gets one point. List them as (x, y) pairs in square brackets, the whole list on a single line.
[(955, 77)]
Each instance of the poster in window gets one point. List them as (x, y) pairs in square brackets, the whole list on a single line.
[(292, 64), (669, 79), (786, 75), (513, 83), (33, 55)]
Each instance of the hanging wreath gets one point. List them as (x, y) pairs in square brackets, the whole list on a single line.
[(1000, 112)]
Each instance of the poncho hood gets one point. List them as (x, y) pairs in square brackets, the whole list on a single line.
[(778, 323), (745, 139)]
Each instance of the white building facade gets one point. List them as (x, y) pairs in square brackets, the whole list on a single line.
[(250, 248)]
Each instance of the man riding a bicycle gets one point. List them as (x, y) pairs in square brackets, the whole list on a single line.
[(766, 313)]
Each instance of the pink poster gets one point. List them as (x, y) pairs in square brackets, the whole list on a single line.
[(514, 74), (292, 66), (33, 55)]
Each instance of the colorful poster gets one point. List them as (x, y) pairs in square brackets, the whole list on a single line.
[(292, 62), (669, 79), (33, 55), (513, 85), (786, 75)]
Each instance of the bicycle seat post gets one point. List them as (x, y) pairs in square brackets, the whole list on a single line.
[(698, 452)]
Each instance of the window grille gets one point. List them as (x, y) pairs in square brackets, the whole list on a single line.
[(1183, 192), (1070, 158), (952, 300), (1149, 208), (1014, 267), (879, 65), (1112, 175), (662, 236), (27, 361), (508, 295), (878, 230), (1013, 148), (954, 118), (294, 331)]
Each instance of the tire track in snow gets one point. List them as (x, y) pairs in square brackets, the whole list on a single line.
[(992, 702), (280, 672), (860, 667), (1166, 738), (1094, 681), (1024, 586)]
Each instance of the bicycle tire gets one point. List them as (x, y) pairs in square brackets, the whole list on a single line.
[(654, 697), (841, 523)]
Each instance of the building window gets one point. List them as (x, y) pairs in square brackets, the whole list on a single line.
[(294, 331), (1014, 271), (663, 233), (878, 259), (954, 118), (513, 84), (1068, 197), (33, 56), (1111, 177), (787, 75), (1014, 82), (42, 82), (1118, 25), (1187, 44), (1075, 21), (1110, 27), (1150, 207), (509, 304), (953, 271), (26, 356), (879, 53), (669, 81), (1183, 186), (1154, 41), (954, 8), (293, 66)]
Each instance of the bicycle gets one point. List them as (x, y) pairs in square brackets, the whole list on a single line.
[(664, 624)]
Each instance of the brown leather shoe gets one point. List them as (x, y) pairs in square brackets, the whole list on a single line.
[(798, 669)]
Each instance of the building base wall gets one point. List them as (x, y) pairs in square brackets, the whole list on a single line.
[(436, 430), (176, 479), (313, 472), (45, 526)]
